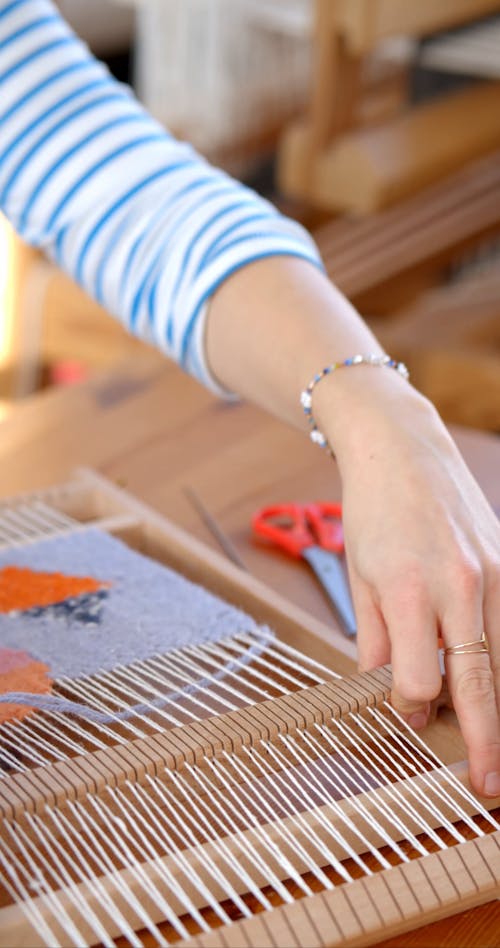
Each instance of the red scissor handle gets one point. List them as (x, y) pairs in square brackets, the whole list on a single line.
[(294, 527), (285, 525), (325, 520)]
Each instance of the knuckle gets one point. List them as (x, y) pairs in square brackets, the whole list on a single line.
[(475, 685), (417, 692), (408, 585), (468, 578)]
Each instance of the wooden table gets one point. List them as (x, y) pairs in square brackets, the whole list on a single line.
[(155, 431)]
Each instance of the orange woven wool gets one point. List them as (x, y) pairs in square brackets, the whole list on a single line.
[(23, 588), (20, 672)]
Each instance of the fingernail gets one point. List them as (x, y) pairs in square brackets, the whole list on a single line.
[(418, 720), (492, 784)]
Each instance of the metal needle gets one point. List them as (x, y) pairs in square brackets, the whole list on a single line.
[(218, 534)]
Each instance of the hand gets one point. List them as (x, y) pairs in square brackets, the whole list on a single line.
[(423, 546), (423, 549)]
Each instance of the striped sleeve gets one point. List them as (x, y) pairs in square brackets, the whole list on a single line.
[(138, 218)]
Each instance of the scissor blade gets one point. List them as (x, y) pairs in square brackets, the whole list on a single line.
[(328, 570)]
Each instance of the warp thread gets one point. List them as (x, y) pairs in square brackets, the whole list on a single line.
[(62, 705)]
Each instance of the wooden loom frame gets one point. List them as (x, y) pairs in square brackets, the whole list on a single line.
[(384, 904), (328, 160)]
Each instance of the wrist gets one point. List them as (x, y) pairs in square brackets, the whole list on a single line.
[(362, 409), (371, 360)]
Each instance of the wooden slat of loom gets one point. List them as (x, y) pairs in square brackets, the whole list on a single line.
[(13, 929), (371, 257), (355, 917), (387, 903), (40, 797), (193, 744)]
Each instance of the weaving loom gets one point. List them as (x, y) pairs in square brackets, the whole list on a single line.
[(228, 790)]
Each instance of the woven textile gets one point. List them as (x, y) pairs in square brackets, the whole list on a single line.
[(130, 607)]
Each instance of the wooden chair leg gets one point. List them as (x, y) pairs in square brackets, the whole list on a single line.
[(22, 304)]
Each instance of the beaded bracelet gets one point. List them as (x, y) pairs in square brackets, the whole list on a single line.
[(383, 361)]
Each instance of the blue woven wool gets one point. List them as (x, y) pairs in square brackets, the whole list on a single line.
[(147, 610)]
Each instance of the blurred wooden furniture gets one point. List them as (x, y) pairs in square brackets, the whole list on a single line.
[(397, 266), (473, 50), (382, 261), (450, 340), (14, 268), (330, 161), (50, 322)]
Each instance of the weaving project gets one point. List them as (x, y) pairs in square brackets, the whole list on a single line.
[(172, 772), (89, 603)]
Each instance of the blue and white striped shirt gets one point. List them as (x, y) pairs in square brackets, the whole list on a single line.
[(138, 218)]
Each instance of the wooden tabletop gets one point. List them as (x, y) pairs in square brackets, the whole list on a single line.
[(153, 430)]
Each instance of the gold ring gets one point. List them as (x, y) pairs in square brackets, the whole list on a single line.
[(468, 648)]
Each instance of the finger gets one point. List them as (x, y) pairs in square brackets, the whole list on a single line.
[(472, 685), (374, 647), (491, 614), (471, 675), (416, 674)]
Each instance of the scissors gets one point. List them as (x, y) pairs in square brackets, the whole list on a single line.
[(315, 533)]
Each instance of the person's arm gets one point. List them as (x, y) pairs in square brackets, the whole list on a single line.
[(138, 218), (423, 545)]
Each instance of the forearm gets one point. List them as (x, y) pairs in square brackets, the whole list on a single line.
[(273, 325)]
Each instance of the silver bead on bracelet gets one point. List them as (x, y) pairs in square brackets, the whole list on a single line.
[(382, 361)]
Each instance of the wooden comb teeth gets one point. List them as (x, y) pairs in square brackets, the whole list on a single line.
[(73, 779)]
